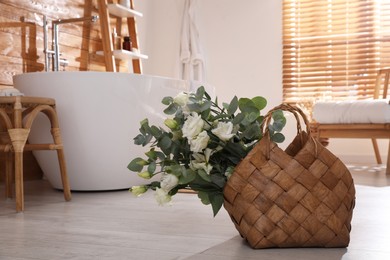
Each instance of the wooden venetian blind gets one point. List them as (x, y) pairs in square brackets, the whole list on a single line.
[(332, 49)]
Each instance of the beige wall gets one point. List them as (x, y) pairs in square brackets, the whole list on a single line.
[(242, 43)]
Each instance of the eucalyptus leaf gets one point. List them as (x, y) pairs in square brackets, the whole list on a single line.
[(216, 200), (204, 175), (205, 106), (151, 154), (278, 138), (145, 129), (252, 116), (165, 143), (148, 138), (194, 107), (167, 100), (219, 180), (238, 118), (232, 108), (243, 103), (152, 167), (155, 131), (250, 109), (200, 92), (171, 109), (135, 165), (204, 197), (278, 125), (187, 176), (207, 95), (252, 132), (139, 139), (260, 102), (160, 155)]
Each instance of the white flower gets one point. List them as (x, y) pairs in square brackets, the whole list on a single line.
[(162, 197), (181, 99), (201, 162), (168, 182), (224, 131), (207, 153), (193, 125), (201, 166), (200, 142)]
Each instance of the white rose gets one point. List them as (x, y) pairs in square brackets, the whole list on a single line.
[(200, 142), (162, 197), (201, 162), (181, 99), (201, 166), (193, 125), (168, 182), (207, 153), (223, 131)]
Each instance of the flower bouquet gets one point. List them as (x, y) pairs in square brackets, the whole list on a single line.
[(200, 145)]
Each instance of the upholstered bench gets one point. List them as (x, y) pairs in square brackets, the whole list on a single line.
[(357, 119)]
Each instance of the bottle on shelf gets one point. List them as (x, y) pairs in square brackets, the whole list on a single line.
[(126, 43), (116, 40)]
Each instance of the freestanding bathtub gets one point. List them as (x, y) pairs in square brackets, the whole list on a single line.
[(99, 115)]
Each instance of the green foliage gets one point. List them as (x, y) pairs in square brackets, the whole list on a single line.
[(200, 144)]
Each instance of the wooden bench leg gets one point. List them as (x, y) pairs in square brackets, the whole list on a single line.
[(18, 138), (376, 151)]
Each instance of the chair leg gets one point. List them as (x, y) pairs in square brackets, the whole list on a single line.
[(18, 138), (388, 161), (64, 175), (376, 150), (19, 189), (8, 174), (61, 160)]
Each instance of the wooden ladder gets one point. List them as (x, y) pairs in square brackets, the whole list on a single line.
[(105, 14)]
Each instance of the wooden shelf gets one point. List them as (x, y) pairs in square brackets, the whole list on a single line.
[(121, 11), (125, 55), (107, 12)]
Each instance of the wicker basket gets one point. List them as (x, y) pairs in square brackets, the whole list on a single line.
[(300, 197)]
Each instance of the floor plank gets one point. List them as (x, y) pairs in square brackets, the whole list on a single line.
[(117, 225)]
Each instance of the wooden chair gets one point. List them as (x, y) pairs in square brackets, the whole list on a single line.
[(371, 131), (17, 114)]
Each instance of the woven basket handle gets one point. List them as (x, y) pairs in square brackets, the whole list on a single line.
[(297, 112), (294, 110)]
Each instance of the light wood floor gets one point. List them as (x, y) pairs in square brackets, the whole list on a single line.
[(116, 225)]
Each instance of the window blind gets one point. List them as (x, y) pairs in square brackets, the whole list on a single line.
[(332, 49)]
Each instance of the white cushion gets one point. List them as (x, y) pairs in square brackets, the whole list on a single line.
[(375, 111)]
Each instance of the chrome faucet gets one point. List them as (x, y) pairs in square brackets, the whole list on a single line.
[(55, 52)]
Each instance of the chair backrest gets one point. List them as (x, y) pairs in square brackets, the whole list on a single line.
[(378, 84)]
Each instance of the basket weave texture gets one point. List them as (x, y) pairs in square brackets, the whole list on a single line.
[(300, 197)]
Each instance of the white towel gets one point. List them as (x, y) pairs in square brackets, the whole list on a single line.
[(191, 58), (349, 112), (9, 92)]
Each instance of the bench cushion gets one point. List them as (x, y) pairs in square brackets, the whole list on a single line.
[(352, 112)]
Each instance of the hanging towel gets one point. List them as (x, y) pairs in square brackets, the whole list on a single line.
[(191, 57), (9, 92)]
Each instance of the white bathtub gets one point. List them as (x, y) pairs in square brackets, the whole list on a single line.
[(99, 114)]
